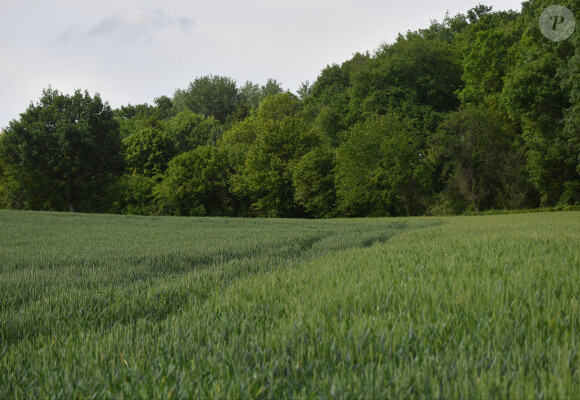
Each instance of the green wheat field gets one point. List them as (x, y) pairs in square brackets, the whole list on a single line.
[(100, 306)]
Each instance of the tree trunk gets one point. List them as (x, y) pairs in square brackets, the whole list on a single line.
[(69, 199)]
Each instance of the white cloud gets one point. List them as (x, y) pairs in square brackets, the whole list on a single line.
[(139, 25)]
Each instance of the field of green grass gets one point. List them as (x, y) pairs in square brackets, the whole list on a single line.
[(99, 306)]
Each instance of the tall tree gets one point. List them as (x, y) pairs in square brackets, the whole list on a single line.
[(486, 53), (148, 151), (381, 168), (236, 142), (272, 88), (196, 183), (571, 129), (304, 90), (327, 98), (62, 152), (213, 96), (415, 70), (478, 150), (282, 136), (538, 96), (191, 130), (251, 94), (313, 181)]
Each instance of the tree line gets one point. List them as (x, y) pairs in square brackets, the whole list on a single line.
[(478, 111)]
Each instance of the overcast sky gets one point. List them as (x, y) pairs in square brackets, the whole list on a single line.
[(131, 51)]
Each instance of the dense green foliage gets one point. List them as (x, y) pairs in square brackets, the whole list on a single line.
[(60, 154), (196, 183), (448, 307), (477, 112), (381, 168)]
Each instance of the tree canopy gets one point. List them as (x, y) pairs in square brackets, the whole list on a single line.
[(475, 112), (61, 153)]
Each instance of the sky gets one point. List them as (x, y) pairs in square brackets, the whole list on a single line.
[(132, 51)]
